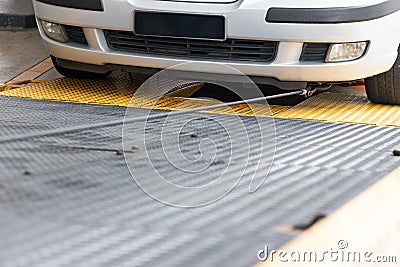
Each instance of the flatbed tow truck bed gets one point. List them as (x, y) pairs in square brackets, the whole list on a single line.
[(69, 200)]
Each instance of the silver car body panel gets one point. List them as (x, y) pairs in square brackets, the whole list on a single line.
[(245, 19)]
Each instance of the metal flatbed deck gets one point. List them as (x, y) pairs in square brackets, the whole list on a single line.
[(69, 199)]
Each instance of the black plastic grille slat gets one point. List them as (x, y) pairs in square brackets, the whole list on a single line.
[(253, 50), (76, 34), (314, 52)]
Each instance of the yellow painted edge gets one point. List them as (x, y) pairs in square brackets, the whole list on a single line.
[(33, 72), (347, 108), (117, 91), (368, 223), (6, 87), (45, 92)]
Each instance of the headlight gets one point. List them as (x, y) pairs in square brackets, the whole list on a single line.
[(55, 31), (346, 51)]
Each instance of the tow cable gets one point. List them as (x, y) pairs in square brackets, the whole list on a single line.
[(302, 92)]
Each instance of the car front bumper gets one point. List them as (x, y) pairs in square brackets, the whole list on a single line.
[(245, 20)]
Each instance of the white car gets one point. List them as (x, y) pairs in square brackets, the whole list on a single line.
[(290, 44)]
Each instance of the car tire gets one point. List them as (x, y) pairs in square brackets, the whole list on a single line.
[(77, 74), (384, 88)]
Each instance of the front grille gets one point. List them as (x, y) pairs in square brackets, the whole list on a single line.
[(76, 34), (231, 49), (314, 52)]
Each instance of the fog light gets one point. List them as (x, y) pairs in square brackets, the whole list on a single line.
[(55, 31), (346, 51)]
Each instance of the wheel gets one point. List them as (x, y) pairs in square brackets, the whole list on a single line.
[(77, 74), (384, 88)]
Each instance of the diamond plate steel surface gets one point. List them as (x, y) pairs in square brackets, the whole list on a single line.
[(68, 200), (334, 107), (118, 91)]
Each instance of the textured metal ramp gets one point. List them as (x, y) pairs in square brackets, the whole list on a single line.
[(118, 91), (68, 200), (334, 107)]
